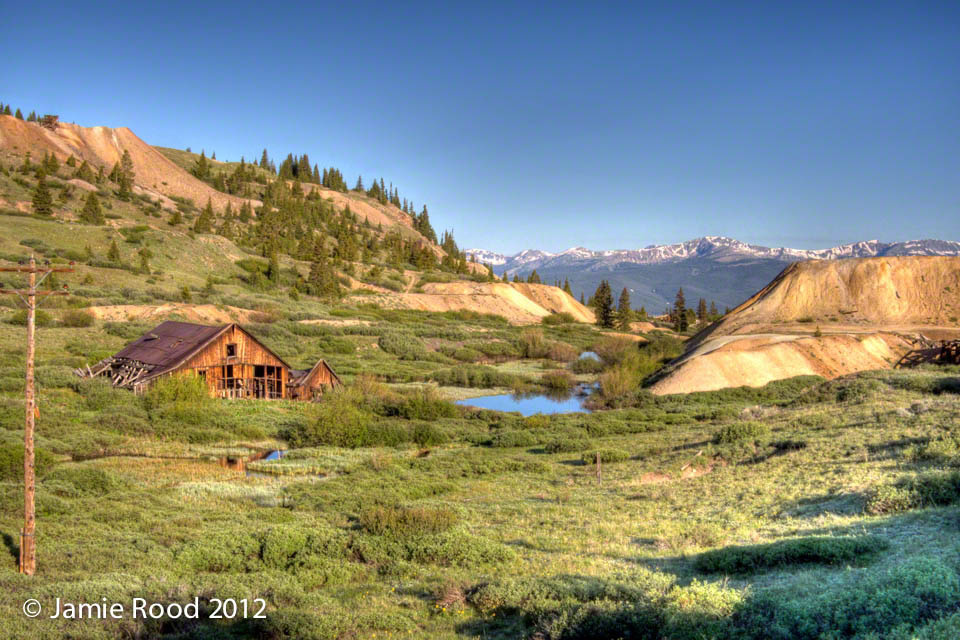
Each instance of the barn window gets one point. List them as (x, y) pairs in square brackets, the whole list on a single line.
[(231, 350)]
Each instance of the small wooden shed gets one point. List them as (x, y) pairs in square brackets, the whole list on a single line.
[(233, 363)]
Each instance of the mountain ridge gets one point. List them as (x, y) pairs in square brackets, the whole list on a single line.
[(722, 270), (710, 246)]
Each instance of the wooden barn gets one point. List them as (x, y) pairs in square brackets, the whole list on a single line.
[(233, 363)]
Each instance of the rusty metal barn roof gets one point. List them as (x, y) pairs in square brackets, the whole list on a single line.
[(169, 344)]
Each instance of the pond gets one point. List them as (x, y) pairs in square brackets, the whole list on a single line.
[(530, 404)]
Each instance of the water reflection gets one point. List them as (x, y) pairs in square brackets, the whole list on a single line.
[(239, 463), (529, 404)]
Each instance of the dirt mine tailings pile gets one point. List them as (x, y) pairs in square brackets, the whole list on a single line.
[(518, 303), (823, 317)]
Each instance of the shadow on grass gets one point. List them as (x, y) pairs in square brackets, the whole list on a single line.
[(12, 546), (828, 503)]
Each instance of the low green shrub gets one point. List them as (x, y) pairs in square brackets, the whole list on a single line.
[(426, 404), (427, 435), (180, 389), (76, 318), (558, 318), (557, 380), (613, 349), (513, 438), (403, 522), (908, 594), (402, 345), (338, 422), (41, 318), (11, 462), (741, 432), (76, 481), (532, 344), (586, 366), (567, 444), (607, 456), (562, 352), (466, 354), (934, 488), (476, 376), (787, 553)]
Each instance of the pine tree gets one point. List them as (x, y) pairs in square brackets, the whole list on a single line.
[(19, 114), (603, 304), (359, 185), (204, 223), (273, 269), (6, 110), (642, 314), (680, 322), (208, 287), (126, 167), (702, 312), (124, 192), (50, 164), (516, 277), (534, 277), (175, 218), (42, 199), (91, 213), (264, 160), (246, 212), (581, 298), (713, 310), (624, 314), (113, 255), (201, 168), (145, 255), (71, 162), (566, 287), (84, 172), (32, 117)]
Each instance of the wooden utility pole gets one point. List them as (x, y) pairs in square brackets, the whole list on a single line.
[(28, 547)]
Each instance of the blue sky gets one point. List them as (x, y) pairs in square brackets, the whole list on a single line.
[(545, 125)]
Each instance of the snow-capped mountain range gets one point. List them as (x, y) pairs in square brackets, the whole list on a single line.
[(716, 248)]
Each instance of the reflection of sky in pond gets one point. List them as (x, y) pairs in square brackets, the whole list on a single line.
[(528, 405)]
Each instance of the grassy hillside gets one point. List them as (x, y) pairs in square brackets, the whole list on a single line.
[(803, 509)]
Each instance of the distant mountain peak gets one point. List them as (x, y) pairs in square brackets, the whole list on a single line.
[(717, 247)]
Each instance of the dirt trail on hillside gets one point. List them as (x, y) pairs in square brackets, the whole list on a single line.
[(200, 313), (866, 311), (518, 303)]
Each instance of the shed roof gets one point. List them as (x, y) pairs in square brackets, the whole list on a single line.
[(169, 344)]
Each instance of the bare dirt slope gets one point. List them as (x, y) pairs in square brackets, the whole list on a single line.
[(103, 147), (865, 311), (201, 313), (754, 360), (894, 292), (518, 303)]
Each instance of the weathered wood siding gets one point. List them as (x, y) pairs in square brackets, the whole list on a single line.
[(319, 380), (212, 361)]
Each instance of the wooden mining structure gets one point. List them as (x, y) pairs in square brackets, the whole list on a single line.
[(932, 352), (232, 362)]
